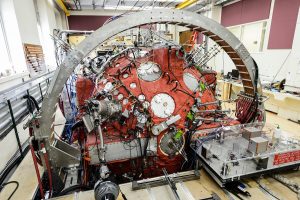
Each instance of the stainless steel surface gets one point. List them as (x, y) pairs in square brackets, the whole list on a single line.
[(116, 147), (63, 154)]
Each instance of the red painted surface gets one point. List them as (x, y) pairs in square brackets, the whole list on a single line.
[(200, 38), (171, 64), (86, 23), (282, 158), (283, 24), (245, 11), (84, 88)]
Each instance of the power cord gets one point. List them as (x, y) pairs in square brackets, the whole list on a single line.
[(7, 183)]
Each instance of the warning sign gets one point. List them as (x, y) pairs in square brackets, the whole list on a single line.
[(287, 157)]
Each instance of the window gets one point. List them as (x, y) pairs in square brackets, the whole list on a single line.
[(5, 66), (252, 35)]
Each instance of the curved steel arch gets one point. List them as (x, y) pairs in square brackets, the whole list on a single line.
[(228, 42)]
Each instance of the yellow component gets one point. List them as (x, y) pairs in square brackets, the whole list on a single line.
[(74, 40), (61, 4), (185, 4)]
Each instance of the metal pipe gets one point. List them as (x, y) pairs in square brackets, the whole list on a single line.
[(15, 128), (217, 111), (210, 119), (9, 120), (41, 91), (75, 32), (61, 4), (214, 102), (17, 114), (102, 149), (5, 123), (185, 4)]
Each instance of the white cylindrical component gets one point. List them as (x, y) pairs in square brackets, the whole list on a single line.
[(276, 135)]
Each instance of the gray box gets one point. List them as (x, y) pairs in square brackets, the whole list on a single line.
[(258, 145), (251, 132)]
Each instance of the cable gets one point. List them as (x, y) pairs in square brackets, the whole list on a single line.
[(281, 66), (10, 182), (31, 103), (123, 195), (13, 162), (265, 189), (73, 188)]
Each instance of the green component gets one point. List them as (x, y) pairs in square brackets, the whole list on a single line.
[(198, 68), (190, 116), (202, 86), (178, 134)]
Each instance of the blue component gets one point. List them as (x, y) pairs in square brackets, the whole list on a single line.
[(71, 90)]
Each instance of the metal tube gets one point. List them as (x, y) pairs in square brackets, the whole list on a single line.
[(217, 111), (102, 150), (214, 102), (15, 128), (41, 91), (9, 120), (4, 123)]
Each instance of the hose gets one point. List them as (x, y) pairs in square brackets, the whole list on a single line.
[(10, 182)]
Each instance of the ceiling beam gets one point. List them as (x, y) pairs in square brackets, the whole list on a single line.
[(61, 4)]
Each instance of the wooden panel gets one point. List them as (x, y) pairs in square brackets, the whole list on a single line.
[(184, 37), (34, 57)]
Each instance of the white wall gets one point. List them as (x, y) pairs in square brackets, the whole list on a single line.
[(12, 32), (21, 19), (27, 21), (48, 14), (293, 71)]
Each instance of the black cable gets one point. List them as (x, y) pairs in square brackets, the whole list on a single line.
[(123, 195), (12, 165), (30, 102), (255, 75), (268, 192), (73, 188), (77, 125), (10, 182)]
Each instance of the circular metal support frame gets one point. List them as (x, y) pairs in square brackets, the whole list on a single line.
[(227, 41)]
